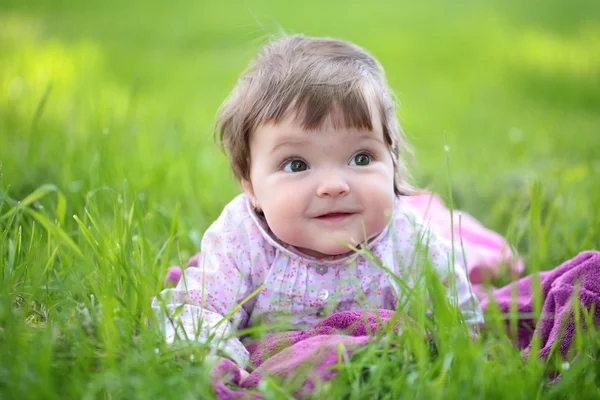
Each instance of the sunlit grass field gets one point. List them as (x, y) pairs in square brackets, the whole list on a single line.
[(109, 174)]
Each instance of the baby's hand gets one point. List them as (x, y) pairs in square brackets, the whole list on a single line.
[(222, 367), (244, 374), (173, 277), (174, 273)]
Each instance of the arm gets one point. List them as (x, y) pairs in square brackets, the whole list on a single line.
[(209, 290), (193, 311), (453, 276), (423, 246)]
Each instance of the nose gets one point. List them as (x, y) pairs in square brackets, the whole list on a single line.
[(333, 185)]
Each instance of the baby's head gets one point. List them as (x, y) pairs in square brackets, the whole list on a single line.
[(311, 132)]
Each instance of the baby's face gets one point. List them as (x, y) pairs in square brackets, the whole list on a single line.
[(321, 189)]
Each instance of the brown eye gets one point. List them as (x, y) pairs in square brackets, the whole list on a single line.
[(361, 159), (295, 166)]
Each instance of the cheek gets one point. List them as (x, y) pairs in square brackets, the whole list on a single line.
[(278, 196), (381, 201), (378, 193), (282, 205), (380, 179), (284, 218)]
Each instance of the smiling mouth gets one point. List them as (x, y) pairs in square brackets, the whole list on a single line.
[(335, 216)]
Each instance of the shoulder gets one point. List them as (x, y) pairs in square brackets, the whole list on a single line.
[(234, 217), (405, 218), (411, 229), (236, 228)]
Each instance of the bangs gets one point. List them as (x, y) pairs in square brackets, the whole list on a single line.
[(345, 105)]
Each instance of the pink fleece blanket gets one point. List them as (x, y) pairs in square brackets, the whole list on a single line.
[(311, 351)]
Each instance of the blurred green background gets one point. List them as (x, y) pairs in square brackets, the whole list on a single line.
[(93, 94)]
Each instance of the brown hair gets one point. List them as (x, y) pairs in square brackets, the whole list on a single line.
[(315, 78)]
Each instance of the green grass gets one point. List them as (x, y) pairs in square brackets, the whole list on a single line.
[(109, 173)]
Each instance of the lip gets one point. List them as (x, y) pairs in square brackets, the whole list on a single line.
[(335, 216)]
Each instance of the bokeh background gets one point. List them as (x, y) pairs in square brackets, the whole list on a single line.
[(112, 97)]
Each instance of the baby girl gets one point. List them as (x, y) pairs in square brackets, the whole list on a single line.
[(311, 133)]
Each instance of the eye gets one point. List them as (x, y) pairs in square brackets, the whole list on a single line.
[(295, 166), (361, 159)]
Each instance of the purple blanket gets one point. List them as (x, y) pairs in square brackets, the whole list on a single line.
[(310, 351), (558, 290), (282, 354)]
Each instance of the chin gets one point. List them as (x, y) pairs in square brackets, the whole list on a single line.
[(335, 249)]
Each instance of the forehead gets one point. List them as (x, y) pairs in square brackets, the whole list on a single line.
[(291, 131)]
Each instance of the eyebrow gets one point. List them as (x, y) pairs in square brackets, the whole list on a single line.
[(287, 142), (370, 137), (292, 141)]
